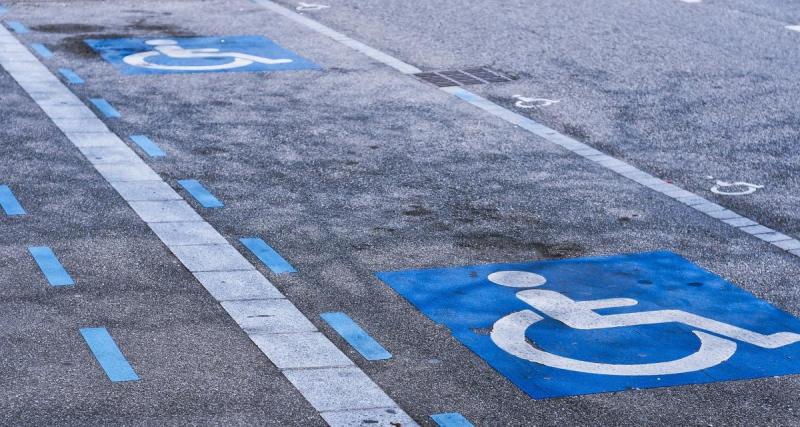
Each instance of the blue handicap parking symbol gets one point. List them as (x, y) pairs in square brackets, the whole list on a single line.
[(198, 55), (591, 325)]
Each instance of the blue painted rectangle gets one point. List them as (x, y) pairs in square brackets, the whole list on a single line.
[(71, 76), (50, 265), (451, 419), (267, 255), (105, 108), (198, 55), (148, 146), (3, 10), (17, 26), (356, 336), (203, 196), (42, 50), (108, 355), (9, 203), (591, 325)]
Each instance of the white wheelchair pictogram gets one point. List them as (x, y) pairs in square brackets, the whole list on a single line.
[(748, 188), (508, 333), (171, 49)]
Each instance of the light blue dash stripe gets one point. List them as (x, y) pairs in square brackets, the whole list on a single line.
[(451, 419), (267, 255), (42, 50), (71, 76), (108, 355), (17, 26), (9, 203), (203, 196), (105, 108), (356, 337), (50, 266), (465, 95), (3, 9), (148, 146)]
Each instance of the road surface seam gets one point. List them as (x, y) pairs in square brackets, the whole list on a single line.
[(698, 203), (338, 389)]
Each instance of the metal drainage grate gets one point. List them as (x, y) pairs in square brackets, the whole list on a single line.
[(469, 76)]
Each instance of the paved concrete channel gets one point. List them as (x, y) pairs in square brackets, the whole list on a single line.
[(149, 272)]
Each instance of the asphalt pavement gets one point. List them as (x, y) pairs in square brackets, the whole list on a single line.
[(348, 168)]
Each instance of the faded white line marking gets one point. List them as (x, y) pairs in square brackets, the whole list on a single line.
[(629, 171), (793, 27), (336, 384)]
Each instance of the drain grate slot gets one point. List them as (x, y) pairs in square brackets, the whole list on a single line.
[(437, 79), (488, 75), (462, 77), (469, 76)]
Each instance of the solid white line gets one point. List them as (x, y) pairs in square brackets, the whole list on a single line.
[(620, 167), (335, 385)]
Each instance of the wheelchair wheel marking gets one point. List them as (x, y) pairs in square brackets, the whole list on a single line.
[(750, 188), (509, 332)]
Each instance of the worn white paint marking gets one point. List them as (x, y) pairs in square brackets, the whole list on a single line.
[(793, 27), (334, 385), (744, 188), (303, 7), (620, 167), (525, 102), (692, 1)]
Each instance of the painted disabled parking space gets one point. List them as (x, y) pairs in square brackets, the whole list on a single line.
[(198, 55), (579, 326)]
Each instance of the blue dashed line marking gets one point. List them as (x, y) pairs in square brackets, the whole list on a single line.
[(451, 419), (105, 108), (108, 355), (51, 267), (3, 9), (42, 50), (10, 203), (17, 26), (357, 337), (71, 76), (203, 196), (267, 255), (148, 146)]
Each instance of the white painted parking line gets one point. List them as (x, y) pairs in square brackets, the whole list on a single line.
[(618, 166), (335, 386), (237, 285), (187, 233), (282, 352), (793, 27), (338, 389)]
